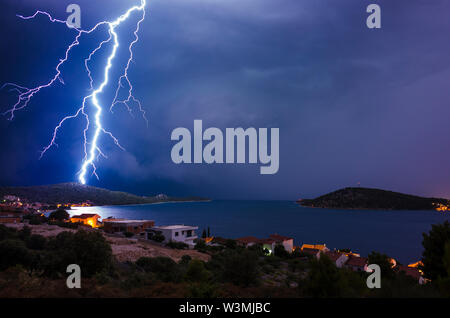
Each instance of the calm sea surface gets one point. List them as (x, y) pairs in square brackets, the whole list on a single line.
[(396, 233)]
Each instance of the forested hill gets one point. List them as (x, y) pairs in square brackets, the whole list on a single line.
[(367, 198), (77, 193)]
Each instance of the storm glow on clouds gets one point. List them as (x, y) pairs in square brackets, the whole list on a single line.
[(352, 104)]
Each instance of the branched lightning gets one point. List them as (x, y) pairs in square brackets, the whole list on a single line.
[(92, 151)]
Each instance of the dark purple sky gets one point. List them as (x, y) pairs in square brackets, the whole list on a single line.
[(352, 104)]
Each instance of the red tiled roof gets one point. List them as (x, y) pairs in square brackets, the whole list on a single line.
[(312, 251), (410, 271), (357, 261), (334, 256), (84, 216), (267, 241), (279, 238), (248, 239)]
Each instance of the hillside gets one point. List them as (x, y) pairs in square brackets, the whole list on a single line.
[(366, 198), (77, 193)]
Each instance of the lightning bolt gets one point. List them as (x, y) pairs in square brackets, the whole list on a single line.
[(92, 150)]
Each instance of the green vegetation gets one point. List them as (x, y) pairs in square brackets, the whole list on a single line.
[(77, 193), (366, 198), (59, 215), (233, 271), (50, 257), (177, 245)]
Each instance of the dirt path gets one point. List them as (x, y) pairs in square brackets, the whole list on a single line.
[(123, 249)]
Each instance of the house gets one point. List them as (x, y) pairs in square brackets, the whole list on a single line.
[(413, 272), (268, 243), (357, 264), (320, 247), (311, 251), (248, 241), (287, 242), (336, 257), (86, 219), (9, 219), (177, 233), (121, 225)]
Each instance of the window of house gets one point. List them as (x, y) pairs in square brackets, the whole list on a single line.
[(176, 233)]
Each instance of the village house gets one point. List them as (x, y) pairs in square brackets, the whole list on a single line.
[(357, 264), (86, 219), (339, 259), (311, 251), (268, 243), (320, 247), (413, 272), (176, 233), (247, 241), (121, 225), (9, 219)]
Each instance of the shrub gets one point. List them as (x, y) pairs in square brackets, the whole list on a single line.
[(434, 251), (326, 280), (196, 272), (128, 234), (36, 242), (59, 215), (24, 233), (7, 232), (177, 245), (14, 252), (240, 268), (165, 268), (87, 249), (185, 259), (36, 220), (157, 237), (201, 246), (280, 251)]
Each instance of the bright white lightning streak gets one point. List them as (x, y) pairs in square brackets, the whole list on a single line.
[(25, 94)]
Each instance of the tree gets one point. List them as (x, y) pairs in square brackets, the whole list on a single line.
[(280, 251), (204, 233), (383, 261), (14, 252), (209, 232), (36, 242), (59, 215), (326, 280), (89, 250), (156, 236), (196, 272), (434, 251), (240, 267), (164, 267)]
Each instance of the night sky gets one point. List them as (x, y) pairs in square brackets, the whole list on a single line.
[(352, 104)]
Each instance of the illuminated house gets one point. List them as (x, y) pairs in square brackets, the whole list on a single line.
[(268, 243), (320, 247), (337, 258), (86, 219)]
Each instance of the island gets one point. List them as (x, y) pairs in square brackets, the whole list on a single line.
[(76, 194), (374, 199)]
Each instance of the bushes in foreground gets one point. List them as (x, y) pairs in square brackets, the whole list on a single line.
[(52, 256)]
